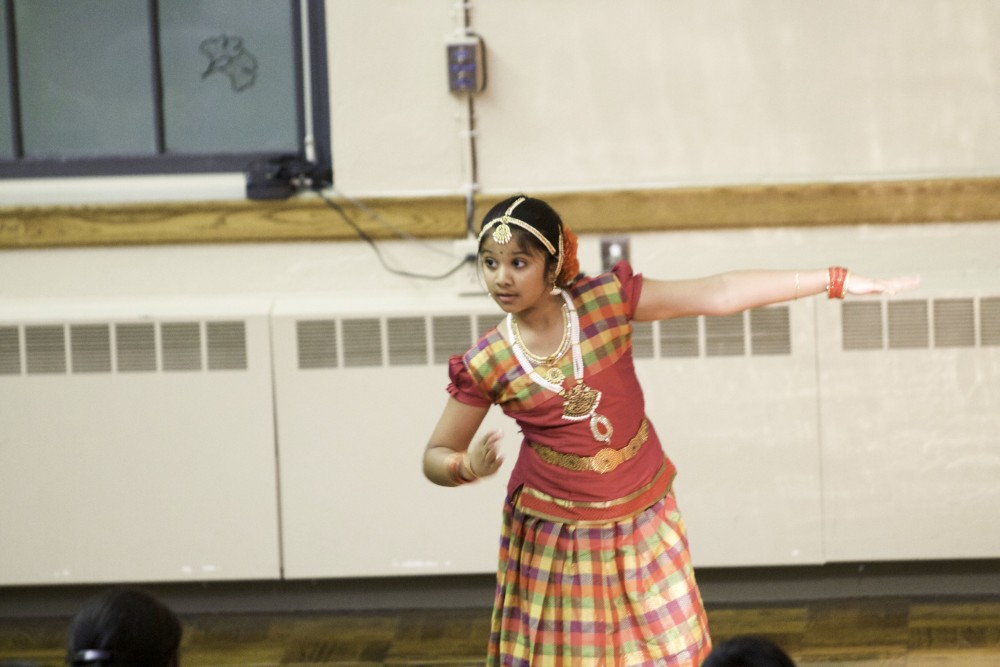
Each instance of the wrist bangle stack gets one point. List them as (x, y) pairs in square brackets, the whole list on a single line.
[(468, 474), (836, 286), (459, 469)]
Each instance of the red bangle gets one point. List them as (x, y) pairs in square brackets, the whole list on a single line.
[(836, 282), (454, 461)]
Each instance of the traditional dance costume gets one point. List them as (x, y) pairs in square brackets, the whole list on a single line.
[(594, 566)]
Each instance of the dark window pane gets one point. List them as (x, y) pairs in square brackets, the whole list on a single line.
[(84, 70), (6, 118), (228, 76)]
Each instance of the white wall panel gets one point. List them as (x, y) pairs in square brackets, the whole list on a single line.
[(742, 431), (355, 501), (911, 439), (111, 475)]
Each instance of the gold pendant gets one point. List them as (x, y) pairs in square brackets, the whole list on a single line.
[(580, 401), (554, 375)]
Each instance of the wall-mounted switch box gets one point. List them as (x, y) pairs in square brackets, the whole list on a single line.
[(467, 65), (613, 250)]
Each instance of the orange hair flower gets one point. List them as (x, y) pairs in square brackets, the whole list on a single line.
[(571, 265)]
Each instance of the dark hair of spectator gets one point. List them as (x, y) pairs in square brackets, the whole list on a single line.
[(124, 628), (747, 651)]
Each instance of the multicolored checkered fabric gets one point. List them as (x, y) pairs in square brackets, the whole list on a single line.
[(604, 338), (617, 595)]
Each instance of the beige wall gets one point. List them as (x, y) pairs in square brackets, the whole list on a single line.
[(607, 95), (589, 95)]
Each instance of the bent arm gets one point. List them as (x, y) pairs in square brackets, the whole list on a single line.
[(736, 291), (452, 436)]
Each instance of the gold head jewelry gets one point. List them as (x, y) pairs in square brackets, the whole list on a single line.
[(502, 235)]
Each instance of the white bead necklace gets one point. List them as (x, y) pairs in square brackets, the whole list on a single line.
[(580, 401)]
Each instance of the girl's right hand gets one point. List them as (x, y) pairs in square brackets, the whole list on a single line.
[(484, 454)]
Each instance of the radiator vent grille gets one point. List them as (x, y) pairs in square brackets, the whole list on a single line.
[(90, 348), (317, 343), (921, 324), (227, 346), (643, 340), (407, 341), (989, 318), (452, 335), (862, 326), (181, 342), (908, 325), (124, 347), (362, 342), (724, 336), (484, 323), (45, 348), (770, 331), (680, 338), (10, 351), (419, 341), (135, 347), (954, 323)]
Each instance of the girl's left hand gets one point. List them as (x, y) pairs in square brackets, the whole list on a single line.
[(860, 285)]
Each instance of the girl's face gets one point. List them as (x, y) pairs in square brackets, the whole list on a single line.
[(515, 274)]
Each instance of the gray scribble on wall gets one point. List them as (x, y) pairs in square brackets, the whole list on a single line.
[(228, 56)]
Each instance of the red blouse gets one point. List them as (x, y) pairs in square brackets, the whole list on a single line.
[(489, 373)]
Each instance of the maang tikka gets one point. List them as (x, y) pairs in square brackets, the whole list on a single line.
[(502, 235)]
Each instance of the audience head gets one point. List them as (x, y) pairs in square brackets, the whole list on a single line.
[(748, 652), (124, 628)]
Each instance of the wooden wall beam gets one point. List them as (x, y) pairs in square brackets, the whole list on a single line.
[(308, 218)]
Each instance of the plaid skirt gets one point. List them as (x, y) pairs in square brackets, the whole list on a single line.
[(609, 595)]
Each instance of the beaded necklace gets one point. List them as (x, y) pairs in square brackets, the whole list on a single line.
[(579, 401)]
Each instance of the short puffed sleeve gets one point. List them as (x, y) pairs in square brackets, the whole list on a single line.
[(462, 387), (631, 285)]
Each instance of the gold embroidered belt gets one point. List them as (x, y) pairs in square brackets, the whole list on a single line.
[(604, 461)]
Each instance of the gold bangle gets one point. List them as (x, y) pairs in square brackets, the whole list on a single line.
[(467, 468)]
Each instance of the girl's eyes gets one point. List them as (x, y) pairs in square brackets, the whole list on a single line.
[(517, 262)]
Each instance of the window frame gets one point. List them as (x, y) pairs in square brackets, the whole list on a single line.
[(313, 137)]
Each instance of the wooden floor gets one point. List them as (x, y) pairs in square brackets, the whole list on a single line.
[(875, 631)]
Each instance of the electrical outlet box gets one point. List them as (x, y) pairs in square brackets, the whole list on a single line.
[(613, 250), (467, 65)]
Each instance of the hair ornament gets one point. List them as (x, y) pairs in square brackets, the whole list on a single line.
[(502, 234)]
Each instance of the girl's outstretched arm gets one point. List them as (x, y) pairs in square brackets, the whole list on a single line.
[(736, 291)]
